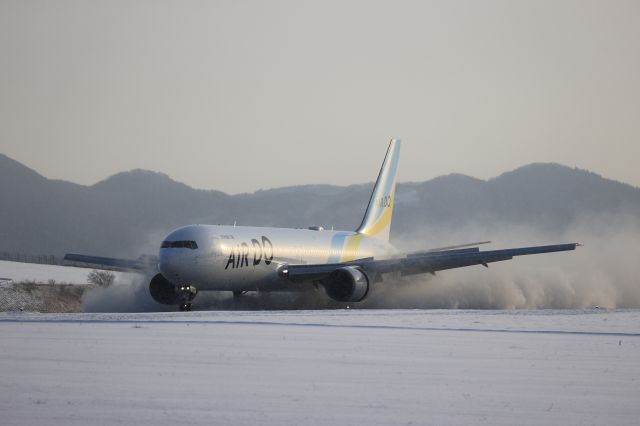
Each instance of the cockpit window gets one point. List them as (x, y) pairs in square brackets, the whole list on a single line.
[(179, 244)]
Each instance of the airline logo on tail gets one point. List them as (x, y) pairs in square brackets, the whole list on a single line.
[(377, 219)]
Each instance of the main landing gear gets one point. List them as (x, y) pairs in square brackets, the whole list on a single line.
[(238, 293), (237, 298)]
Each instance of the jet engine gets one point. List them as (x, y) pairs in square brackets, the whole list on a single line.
[(167, 293), (347, 284)]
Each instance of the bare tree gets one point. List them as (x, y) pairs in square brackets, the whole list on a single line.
[(101, 278)]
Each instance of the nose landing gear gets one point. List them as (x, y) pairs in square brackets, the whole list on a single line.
[(167, 293), (185, 294)]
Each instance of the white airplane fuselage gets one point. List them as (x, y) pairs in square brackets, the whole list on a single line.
[(243, 258), (346, 264)]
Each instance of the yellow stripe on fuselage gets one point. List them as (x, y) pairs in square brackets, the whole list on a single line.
[(350, 251)]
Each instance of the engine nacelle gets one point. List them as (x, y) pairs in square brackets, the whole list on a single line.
[(167, 293), (347, 284)]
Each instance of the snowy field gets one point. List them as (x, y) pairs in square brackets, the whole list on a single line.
[(18, 271), (371, 367)]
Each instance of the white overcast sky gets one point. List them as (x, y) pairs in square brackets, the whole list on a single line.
[(242, 95)]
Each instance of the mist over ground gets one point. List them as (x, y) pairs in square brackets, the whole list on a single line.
[(603, 273)]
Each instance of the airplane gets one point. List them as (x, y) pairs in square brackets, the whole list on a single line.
[(347, 264)]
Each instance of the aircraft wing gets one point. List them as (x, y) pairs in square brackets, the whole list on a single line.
[(448, 248), (420, 262), (143, 263)]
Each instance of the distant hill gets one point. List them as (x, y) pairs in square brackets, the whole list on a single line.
[(128, 213)]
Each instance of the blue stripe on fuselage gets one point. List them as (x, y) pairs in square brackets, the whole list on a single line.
[(337, 243)]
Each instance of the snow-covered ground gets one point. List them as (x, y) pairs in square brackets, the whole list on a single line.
[(18, 271), (375, 367)]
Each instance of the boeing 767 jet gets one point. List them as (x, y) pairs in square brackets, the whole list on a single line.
[(347, 264)]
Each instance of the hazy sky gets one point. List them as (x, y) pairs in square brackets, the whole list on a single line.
[(241, 95)]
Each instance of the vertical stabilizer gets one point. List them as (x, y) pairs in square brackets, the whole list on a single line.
[(377, 220)]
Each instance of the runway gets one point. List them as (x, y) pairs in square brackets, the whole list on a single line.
[(321, 367)]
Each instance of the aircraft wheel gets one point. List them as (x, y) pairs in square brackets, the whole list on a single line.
[(185, 306)]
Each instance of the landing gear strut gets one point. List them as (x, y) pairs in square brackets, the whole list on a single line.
[(238, 293), (185, 307), (237, 298)]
